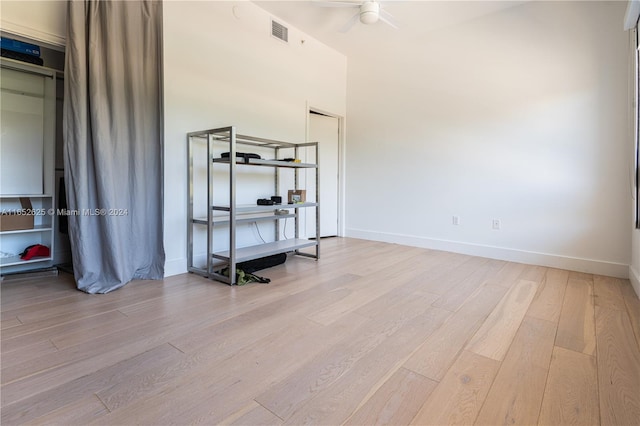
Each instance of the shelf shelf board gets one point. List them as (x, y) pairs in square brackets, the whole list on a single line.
[(15, 260), (25, 196), (36, 228), (219, 220), (246, 208), (269, 163), (254, 252)]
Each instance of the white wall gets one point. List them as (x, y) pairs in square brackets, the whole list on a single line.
[(43, 20), (222, 67), (519, 116)]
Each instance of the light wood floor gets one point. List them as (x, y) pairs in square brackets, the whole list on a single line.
[(373, 333)]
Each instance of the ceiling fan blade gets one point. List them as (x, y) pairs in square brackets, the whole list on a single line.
[(346, 27), (323, 3), (388, 19)]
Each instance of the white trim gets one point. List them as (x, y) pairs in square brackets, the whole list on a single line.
[(46, 39), (634, 277), (613, 269), (175, 267)]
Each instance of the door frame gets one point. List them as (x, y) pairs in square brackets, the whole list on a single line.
[(341, 157)]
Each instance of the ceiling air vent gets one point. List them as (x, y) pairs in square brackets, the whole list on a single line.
[(279, 31)]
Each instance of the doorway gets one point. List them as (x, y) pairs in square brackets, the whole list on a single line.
[(325, 129)]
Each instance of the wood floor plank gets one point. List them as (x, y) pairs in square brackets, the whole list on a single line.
[(81, 359), (79, 303), (571, 393), (618, 368), (285, 397), (256, 416), (79, 412), (516, 394), (164, 378), (396, 402), (461, 393), (440, 350), (493, 339), (30, 312), (457, 269), (547, 303), (80, 309), (576, 327), (608, 292), (508, 275), (9, 322), (231, 381), (457, 294), (223, 348), (533, 273), (335, 403), (367, 290), (27, 292), (26, 354), (394, 298), (263, 319), (74, 331), (40, 401)]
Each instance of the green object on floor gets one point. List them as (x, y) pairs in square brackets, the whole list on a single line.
[(243, 277)]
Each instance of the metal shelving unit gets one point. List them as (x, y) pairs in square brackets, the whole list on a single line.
[(230, 214)]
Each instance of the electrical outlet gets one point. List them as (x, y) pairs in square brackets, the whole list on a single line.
[(495, 224), (455, 220)]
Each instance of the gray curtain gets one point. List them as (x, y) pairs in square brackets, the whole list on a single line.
[(113, 142)]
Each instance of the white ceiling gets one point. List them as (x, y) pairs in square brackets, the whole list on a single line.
[(414, 18)]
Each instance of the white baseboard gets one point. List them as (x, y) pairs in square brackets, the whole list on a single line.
[(634, 277), (179, 266), (612, 269), (175, 267)]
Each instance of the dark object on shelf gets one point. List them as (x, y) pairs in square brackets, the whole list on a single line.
[(22, 57), (244, 155), (63, 220), (19, 46), (261, 263), (265, 202), (35, 250), (276, 199)]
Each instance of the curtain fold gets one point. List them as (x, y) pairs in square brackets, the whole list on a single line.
[(113, 128)]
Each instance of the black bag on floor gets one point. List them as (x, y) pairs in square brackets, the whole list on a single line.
[(251, 266)]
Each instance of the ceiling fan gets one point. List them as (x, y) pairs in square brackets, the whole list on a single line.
[(369, 12)]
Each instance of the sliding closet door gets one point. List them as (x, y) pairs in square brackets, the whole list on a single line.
[(22, 149)]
